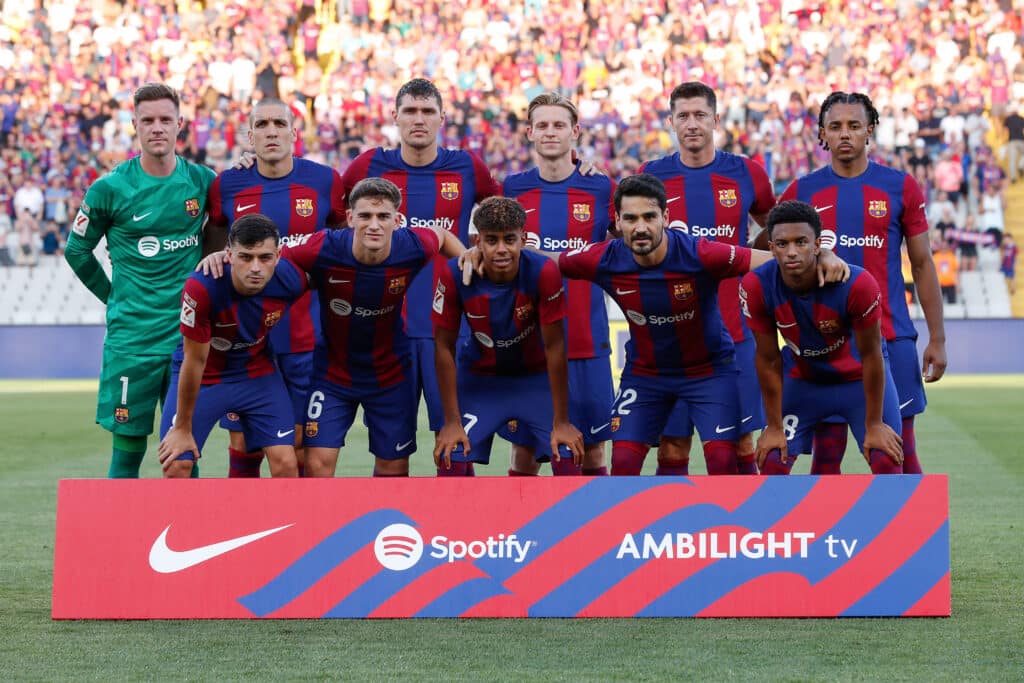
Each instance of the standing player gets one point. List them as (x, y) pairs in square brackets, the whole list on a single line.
[(439, 188), (680, 360), (362, 276), (867, 211), (301, 197), (567, 210), (224, 361), (834, 349), (516, 348), (151, 209), (714, 195)]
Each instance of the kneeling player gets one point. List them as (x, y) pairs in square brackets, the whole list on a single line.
[(834, 349), (513, 363), (224, 363)]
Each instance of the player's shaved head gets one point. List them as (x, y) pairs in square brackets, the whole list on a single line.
[(419, 88), (499, 214), (690, 90), (272, 102), (794, 212), (641, 185), (376, 188), (252, 229), (553, 99), (151, 92)]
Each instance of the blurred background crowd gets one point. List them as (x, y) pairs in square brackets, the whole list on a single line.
[(946, 77)]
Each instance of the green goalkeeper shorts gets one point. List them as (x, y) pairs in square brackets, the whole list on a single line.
[(130, 388)]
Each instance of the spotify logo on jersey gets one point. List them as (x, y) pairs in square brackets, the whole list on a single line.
[(149, 246)]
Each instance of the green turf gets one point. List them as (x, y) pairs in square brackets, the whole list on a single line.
[(971, 431)]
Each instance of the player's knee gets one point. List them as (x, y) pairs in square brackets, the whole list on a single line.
[(399, 467), (673, 450), (179, 469), (524, 460), (236, 440), (720, 457), (282, 461), (320, 462), (745, 445), (593, 456)]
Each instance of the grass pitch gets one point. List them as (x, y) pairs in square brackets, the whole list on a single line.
[(972, 431)]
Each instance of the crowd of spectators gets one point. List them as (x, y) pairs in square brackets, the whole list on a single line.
[(944, 76)]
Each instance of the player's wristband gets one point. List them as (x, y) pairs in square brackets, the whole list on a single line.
[(828, 239)]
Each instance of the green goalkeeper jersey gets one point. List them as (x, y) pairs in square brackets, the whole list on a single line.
[(154, 228)]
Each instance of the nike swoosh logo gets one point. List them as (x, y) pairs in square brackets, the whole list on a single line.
[(787, 325), (242, 207), (474, 317), (595, 430), (337, 282), (166, 561), (907, 403), (623, 292), (748, 418), (720, 430), (281, 434), (672, 199), (529, 210), (402, 446), (139, 218), (819, 209)]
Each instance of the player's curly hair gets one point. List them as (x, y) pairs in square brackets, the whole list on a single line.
[(151, 92), (251, 229), (691, 89), (641, 185), (794, 211), (419, 88), (840, 97), (499, 214), (376, 188)]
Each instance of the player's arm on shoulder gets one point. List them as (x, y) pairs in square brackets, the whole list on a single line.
[(452, 434), (89, 225), (179, 438), (926, 280)]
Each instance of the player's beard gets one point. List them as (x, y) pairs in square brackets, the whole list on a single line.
[(655, 242)]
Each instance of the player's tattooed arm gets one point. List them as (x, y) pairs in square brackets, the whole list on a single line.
[(179, 438), (768, 361), (452, 434), (933, 363)]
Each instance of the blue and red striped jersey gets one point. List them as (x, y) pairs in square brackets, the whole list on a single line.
[(818, 325), (675, 327), (441, 194), (560, 217), (235, 325), (871, 215), (504, 319), (304, 201), (360, 306), (715, 201)]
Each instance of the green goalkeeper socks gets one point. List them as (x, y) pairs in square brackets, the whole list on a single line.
[(127, 456)]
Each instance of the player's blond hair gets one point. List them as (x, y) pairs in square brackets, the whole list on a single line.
[(553, 99)]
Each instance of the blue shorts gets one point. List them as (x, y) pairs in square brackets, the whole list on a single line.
[(591, 393), (906, 373), (261, 404), (295, 369), (389, 414), (749, 390), (424, 374), (806, 404), (489, 402), (647, 407)]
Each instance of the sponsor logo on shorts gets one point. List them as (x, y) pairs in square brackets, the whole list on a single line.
[(121, 414), (513, 426), (281, 434), (233, 417), (616, 423)]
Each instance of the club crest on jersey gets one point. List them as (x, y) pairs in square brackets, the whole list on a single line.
[(233, 417), (304, 207), (581, 212), (727, 198), (312, 429), (397, 285), (523, 312), (682, 290), (121, 415), (878, 208), (513, 425), (616, 423), (828, 326), (192, 207), (450, 191), (271, 318)]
